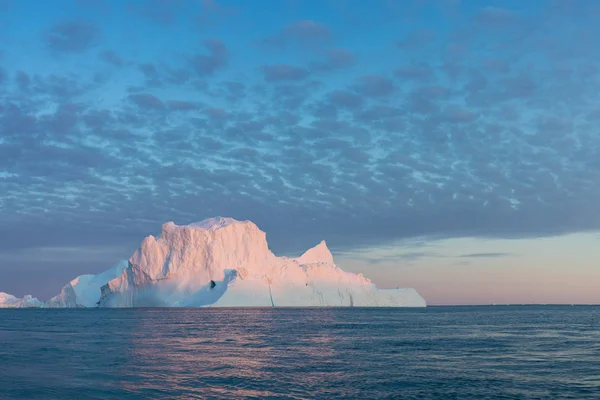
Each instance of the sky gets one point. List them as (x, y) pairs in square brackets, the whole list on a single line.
[(448, 145)]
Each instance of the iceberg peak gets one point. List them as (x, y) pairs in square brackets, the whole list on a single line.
[(209, 224), (318, 254), (212, 224)]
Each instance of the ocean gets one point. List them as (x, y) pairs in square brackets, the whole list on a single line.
[(491, 352)]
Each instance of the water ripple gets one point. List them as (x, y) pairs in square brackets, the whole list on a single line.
[(443, 352)]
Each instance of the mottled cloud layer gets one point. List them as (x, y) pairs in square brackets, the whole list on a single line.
[(467, 120)]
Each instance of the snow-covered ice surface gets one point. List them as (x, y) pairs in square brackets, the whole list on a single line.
[(222, 262)]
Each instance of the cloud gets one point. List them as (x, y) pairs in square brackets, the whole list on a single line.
[(233, 91), (146, 101), (374, 85), (71, 37), (486, 255), (418, 103), (163, 12), (22, 79), (212, 13), (302, 32), (283, 72), (208, 64), (216, 114), (419, 72), (341, 58), (112, 58), (291, 96), (153, 77), (63, 87), (456, 114), (97, 119), (306, 30), (399, 258), (497, 65), (336, 58), (17, 121), (379, 112), (181, 105), (344, 99), (416, 38), (522, 85), (63, 121), (494, 17)]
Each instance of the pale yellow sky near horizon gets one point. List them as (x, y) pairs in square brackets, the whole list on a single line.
[(552, 270)]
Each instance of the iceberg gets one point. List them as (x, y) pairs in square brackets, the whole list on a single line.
[(10, 301), (84, 291), (222, 262)]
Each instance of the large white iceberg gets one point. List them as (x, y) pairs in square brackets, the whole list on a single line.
[(222, 262)]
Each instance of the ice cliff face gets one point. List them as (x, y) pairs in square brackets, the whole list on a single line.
[(221, 262), (224, 262)]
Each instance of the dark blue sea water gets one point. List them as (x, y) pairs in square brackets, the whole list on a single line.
[(526, 352)]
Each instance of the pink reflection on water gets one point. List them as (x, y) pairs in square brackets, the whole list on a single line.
[(211, 352)]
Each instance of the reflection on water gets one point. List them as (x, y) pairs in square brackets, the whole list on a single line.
[(450, 352), (222, 351)]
